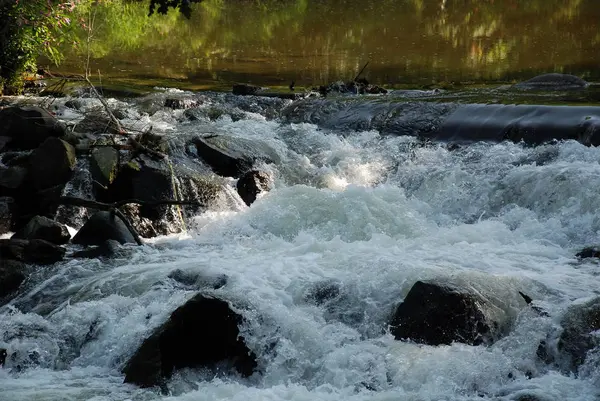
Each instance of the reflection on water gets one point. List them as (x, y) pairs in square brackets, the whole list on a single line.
[(315, 41)]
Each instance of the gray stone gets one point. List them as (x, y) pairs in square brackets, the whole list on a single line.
[(577, 339), (104, 163)]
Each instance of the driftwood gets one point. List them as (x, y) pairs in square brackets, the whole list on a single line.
[(114, 208)]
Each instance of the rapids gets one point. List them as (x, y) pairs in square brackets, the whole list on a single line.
[(372, 212)]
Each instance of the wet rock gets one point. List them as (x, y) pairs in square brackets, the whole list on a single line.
[(36, 251), (28, 127), (52, 164), (40, 227), (246, 89), (589, 252), (12, 274), (152, 181), (579, 323), (11, 178), (357, 87), (323, 292), (6, 214), (230, 156), (440, 313), (3, 355), (203, 333), (553, 82), (75, 104), (197, 280), (530, 124), (251, 184), (103, 226), (107, 249), (180, 104), (96, 123), (104, 163)]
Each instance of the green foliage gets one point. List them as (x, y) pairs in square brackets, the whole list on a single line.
[(29, 28)]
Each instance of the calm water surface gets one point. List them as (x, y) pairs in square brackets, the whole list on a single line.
[(418, 42)]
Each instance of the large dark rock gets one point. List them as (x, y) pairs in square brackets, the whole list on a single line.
[(251, 184), (231, 156), (103, 226), (245, 89), (28, 127), (12, 274), (11, 178), (579, 324), (40, 227), (52, 164), (152, 181), (589, 252), (440, 313), (553, 81), (6, 214), (36, 251), (203, 333)]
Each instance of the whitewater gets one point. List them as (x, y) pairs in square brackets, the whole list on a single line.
[(373, 213)]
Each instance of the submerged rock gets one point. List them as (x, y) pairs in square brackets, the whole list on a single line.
[(232, 156), (28, 127), (441, 313), (107, 249), (36, 251), (3, 355), (246, 89), (181, 103), (251, 184), (589, 252), (40, 227), (203, 333), (103, 226), (553, 81), (580, 325)]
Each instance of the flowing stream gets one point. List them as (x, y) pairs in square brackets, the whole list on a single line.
[(372, 212)]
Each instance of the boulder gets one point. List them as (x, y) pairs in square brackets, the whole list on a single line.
[(103, 226), (6, 214), (553, 82), (203, 333), (36, 251), (96, 123), (11, 178), (251, 184), (232, 156), (52, 164), (28, 127), (152, 181), (246, 89), (104, 163), (40, 227), (12, 274), (442, 313), (107, 249), (580, 324)]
